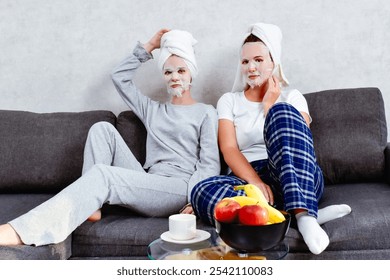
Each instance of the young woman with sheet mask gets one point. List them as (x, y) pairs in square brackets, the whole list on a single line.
[(256, 64), (265, 140), (181, 150), (177, 76)]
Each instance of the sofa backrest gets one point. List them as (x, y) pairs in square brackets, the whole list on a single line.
[(43, 152), (350, 134)]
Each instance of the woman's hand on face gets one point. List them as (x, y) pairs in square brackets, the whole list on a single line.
[(154, 42), (272, 93)]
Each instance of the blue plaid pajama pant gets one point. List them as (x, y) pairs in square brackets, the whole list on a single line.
[(291, 169)]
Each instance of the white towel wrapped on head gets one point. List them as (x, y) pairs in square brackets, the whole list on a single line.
[(271, 35), (180, 43)]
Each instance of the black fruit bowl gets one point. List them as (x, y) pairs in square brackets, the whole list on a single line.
[(250, 239)]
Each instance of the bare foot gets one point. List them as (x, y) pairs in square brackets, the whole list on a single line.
[(96, 216), (8, 236)]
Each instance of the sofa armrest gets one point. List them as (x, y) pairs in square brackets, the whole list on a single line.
[(387, 166)]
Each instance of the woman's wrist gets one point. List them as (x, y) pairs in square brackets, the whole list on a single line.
[(267, 106), (256, 182), (149, 47)]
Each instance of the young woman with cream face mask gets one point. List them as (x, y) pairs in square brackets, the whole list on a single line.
[(257, 68), (181, 150), (178, 79), (256, 64), (265, 139)]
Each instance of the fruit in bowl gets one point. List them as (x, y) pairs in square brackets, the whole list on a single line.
[(253, 238), (254, 215), (226, 210), (254, 225)]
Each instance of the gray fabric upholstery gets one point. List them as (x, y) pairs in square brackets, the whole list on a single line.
[(14, 205), (134, 133), (341, 255), (366, 228), (120, 235), (350, 134), (117, 235), (43, 152), (387, 156), (60, 251)]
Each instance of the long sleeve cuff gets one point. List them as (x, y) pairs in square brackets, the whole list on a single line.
[(140, 52)]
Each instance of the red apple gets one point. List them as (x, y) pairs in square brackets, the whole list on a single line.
[(226, 210), (253, 215)]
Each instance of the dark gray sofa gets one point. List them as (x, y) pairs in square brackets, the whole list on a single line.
[(42, 153)]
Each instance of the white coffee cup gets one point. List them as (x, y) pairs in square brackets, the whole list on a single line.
[(182, 226)]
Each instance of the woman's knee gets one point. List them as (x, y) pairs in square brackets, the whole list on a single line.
[(281, 116), (216, 187), (286, 108), (213, 182), (100, 172), (101, 127)]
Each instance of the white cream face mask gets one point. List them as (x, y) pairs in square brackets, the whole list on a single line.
[(176, 82), (177, 76), (257, 77), (256, 64)]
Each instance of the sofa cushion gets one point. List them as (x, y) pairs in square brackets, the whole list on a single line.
[(60, 251), (14, 205), (43, 152), (350, 134), (120, 234), (362, 232), (117, 236)]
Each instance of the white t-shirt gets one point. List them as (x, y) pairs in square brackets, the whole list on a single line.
[(248, 119)]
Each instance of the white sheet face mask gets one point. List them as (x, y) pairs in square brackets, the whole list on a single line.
[(256, 64), (177, 76)]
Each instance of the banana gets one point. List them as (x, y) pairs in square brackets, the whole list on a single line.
[(245, 200), (275, 216)]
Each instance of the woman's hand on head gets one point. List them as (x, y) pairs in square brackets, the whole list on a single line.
[(154, 42)]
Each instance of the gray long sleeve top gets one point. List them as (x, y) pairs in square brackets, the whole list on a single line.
[(181, 139)]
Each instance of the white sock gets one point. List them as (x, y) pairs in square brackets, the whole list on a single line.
[(332, 212), (314, 236)]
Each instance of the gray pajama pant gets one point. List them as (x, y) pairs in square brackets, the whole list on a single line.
[(111, 174)]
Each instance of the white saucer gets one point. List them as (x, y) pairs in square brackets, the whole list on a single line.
[(200, 236)]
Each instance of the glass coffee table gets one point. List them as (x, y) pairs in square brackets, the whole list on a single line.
[(212, 248)]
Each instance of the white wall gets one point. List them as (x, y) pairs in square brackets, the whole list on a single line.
[(57, 55)]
